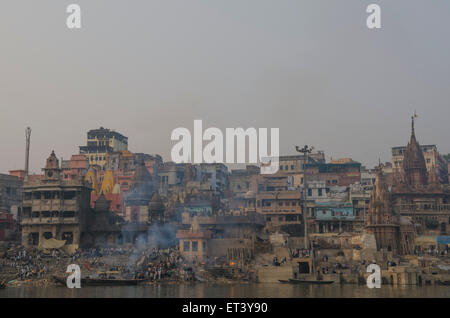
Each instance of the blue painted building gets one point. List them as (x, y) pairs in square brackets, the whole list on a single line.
[(333, 217)]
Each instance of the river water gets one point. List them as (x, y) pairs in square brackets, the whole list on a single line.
[(238, 290)]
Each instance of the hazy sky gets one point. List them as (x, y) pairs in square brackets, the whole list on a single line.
[(311, 68)]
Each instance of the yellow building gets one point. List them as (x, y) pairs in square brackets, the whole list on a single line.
[(100, 142), (194, 242)]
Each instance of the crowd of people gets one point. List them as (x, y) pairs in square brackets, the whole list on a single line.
[(431, 251), (158, 264), (150, 264), (300, 252), (27, 264)]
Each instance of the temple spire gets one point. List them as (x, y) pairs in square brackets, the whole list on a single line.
[(412, 124), (413, 161)]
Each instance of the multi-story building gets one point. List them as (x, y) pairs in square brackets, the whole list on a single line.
[(53, 207), (74, 168), (6, 226), (101, 142), (170, 174), (243, 180), (359, 196), (280, 209), (292, 166), (11, 188), (335, 173), (228, 235), (214, 173), (333, 217)]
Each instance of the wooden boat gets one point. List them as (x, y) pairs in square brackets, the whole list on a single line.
[(102, 281), (319, 282)]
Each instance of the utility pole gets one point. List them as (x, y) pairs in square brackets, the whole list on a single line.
[(27, 150), (306, 150)]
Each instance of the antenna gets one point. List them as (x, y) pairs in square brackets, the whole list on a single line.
[(27, 149)]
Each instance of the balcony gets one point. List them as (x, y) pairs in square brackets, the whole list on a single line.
[(50, 220), (437, 208)]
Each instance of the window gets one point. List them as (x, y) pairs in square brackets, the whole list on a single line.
[(292, 167), (186, 246), (291, 218), (68, 237), (194, 246), (320, 192), (204, 246), (309, 192), (27, 212), (281, 167), (68, 214)]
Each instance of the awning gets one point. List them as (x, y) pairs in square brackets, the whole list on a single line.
[(443, 239), (51, 243)]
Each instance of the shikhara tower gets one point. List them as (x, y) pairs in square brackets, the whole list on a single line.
[(417, 192), (414, 166)]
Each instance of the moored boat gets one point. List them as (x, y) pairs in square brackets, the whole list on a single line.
[(102, 281), (319, 282)]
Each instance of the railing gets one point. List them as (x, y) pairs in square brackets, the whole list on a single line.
[(422, 207), (50, 220)]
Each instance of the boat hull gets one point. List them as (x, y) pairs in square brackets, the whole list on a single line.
[(316, 282), (103, 282)]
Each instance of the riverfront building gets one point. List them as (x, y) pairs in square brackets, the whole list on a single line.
[(53, 207), (101, 142)]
